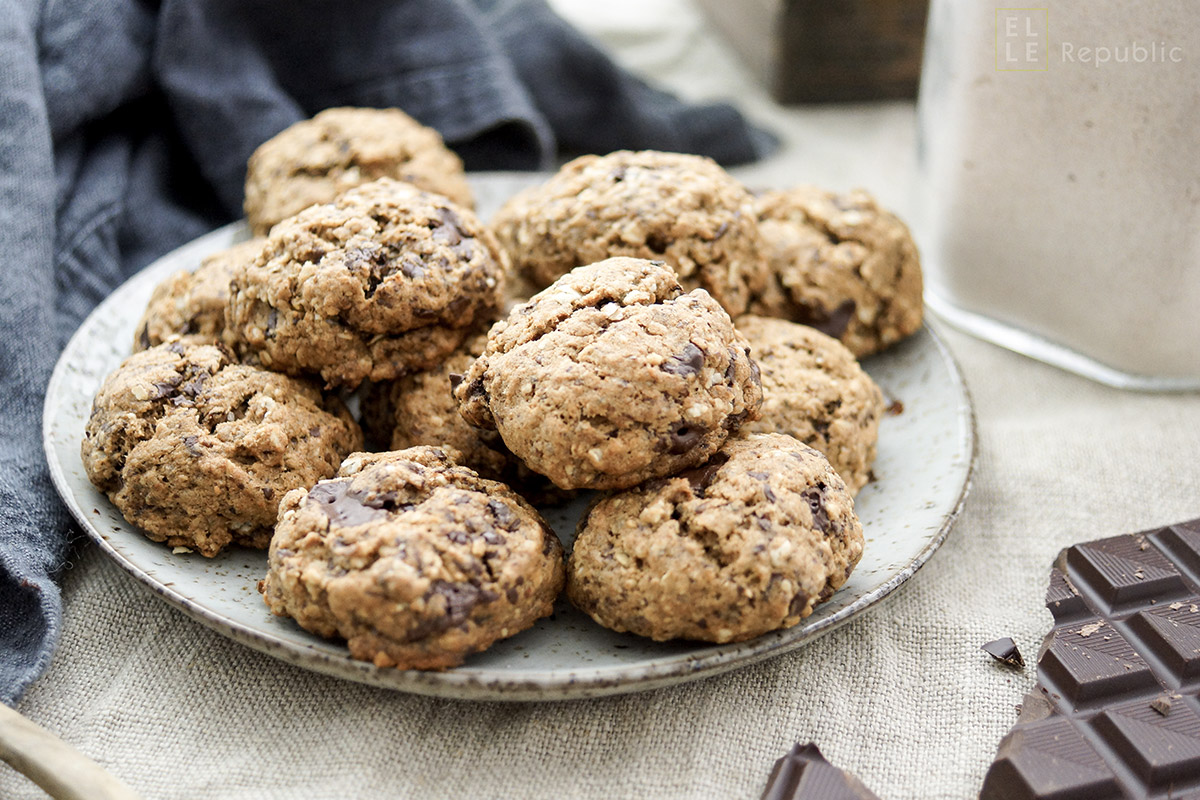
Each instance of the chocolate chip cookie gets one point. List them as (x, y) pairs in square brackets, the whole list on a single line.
[(191, 305), (815, 390), (681, 209), (841, 264), (384, 280), (415, 561), (612, 375), (198, 450), (315, 160), (748, 543)]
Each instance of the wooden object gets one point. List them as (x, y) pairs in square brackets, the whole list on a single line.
[(61, 770), (827, 50)]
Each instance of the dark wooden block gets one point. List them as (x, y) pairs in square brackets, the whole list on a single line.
[(827, 50)]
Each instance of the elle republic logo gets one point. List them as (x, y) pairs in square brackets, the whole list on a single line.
[(1023, 45)]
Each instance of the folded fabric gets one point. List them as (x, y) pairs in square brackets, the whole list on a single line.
[(125, 127)]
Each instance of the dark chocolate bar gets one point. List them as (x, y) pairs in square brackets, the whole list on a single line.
[(804, 774), (1115, 712)]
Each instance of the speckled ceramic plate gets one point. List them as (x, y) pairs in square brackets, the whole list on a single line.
[(923, 468)]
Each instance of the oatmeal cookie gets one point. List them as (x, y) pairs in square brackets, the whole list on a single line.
[(415, 561), (315, 160), (815, 390), (681, 209), (384, 280), (191, 305), (612, 375), (198, 450), (748, 543), (841, 264)]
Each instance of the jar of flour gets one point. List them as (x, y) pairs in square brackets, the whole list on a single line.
[(1058, 204)]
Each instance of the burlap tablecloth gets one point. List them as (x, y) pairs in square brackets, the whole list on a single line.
[(902, 696)]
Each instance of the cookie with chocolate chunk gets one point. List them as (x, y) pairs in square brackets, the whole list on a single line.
[(415, 561), (198, 450), (748, 543), (684, 210), (840, 264), (191, 305), (815, 390), (612, 375), (315, 160), (385, 280)]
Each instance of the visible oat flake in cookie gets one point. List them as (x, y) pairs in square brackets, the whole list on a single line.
[(748, 543), (684, 210), (815, 390), (612, 375), (197, 450), (841, 264), (384, 280), (315, 160), (415, 561)]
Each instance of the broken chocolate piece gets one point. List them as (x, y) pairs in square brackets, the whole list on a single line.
[(1116, 708), (343, 506), (1004, 650), (686, 363), (805, 774), (831, 323), (682, 438), (1161, 704)]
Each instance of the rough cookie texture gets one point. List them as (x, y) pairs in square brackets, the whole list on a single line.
[(611, 376), (384, 280), (815, 390), (748, 543), (315, 160), (198, 450), (419, 409), (681, 209), (415, 561), (191, 305), (841, 264)]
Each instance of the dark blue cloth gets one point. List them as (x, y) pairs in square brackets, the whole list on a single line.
[(125, 126)]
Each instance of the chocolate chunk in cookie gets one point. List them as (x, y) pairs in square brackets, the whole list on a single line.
[(681, 209), (748, 543), (384, 280), (315, 160), (612, 375), (198, 450), (841, 264), (415, 561)]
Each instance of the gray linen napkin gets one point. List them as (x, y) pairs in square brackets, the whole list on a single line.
[(125, 126)]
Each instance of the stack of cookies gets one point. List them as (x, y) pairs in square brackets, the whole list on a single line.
[(631, 326)]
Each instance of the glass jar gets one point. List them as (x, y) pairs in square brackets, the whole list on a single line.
[(1058, 206)]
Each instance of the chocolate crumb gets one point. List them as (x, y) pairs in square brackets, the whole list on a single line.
[(1005, 651)]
